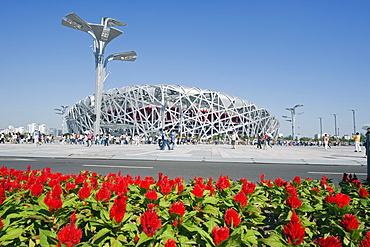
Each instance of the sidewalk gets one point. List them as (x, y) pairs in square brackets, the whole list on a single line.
[(197, 153)]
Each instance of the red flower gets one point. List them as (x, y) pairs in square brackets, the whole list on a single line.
[(197, 191), (329, 242), (222, 182), (220, 234), (84, 192), (1, 222), (363, 192), (232, 218), (297, 179), (170, 243), (293, 201), (339, 199), (103, 195), (248, 188), (364, 243), (241, 198), (279, 182), (52, 199), (294, 230), (151, 195), (70, 235), (118, 210), (150, 222), (177, 208), (36, 189), (349, 222)]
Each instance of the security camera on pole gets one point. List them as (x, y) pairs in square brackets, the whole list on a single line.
[(102, 34)]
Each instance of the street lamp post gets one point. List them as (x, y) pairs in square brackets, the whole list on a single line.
[(335, 125), (292, 118), (102, 34), (354, 120), (320, 126), (62, 112)]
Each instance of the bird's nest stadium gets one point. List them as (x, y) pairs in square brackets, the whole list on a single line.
[(190, 111)]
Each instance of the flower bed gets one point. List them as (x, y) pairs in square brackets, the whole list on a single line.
[(42, 208)]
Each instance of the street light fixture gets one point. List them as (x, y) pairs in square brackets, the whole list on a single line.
[(292, 118), (320, 126), (62, 112), (354, 120), (102, 34), (335, 125)]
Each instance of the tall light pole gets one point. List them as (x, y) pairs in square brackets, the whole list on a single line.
[(62, 112), (335, 124), (102, 34), (292, 118), (354, 120), (320, 126)]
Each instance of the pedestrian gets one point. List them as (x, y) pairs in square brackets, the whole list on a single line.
[(165, 141), (234, 136), (89, 138), (36, 138), (259, 141), (326, 142), (173, 139), (357, 139)]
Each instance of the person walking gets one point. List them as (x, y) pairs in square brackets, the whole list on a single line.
[(326, 142), (165, 141), (259, 141), (357, 139), (173, 139), (234, 136), (36, 137), (89, 138)]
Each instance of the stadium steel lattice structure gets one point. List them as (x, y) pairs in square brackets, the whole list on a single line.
[(190, 111)]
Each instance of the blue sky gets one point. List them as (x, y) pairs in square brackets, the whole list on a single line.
[(275, 54)]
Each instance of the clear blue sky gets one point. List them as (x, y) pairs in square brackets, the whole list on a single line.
[(275, 54)]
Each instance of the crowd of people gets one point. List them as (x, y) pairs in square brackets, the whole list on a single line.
[(168, 140)]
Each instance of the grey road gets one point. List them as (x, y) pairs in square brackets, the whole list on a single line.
[(185, 169)]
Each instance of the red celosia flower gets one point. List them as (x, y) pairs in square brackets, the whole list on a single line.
[(364, 243), (70, 186), (329, 242), (1, 222), (36, 189), (241, 198), (177, 208), (232, 218), (220, 234), (150, 222), (294, 230), (151, 195), (197, 191), (170, 243), (70, 235), (297, 179), (290, 189), (84, 192), (248, 188), (349, 222), (363, 192), (103, 195), (52, 199), (145, 183), (339, 199), (222, 182), (279, 182), (293, 201), (118, 210)]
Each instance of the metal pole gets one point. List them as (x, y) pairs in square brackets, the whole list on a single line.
[(320, 127), (354, 120), (293, 120), (367, 153)]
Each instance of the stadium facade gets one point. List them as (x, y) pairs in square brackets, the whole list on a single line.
[(190, 111)]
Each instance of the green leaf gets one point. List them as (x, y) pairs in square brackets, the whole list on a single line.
[(273, 241), (209, 209), (47, 238), (211, 200), (12, 233), (100, 236)]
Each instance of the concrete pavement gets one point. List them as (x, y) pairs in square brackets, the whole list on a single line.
[(342, 155)]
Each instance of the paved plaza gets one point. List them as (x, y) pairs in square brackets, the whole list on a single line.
[(305, 155)]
